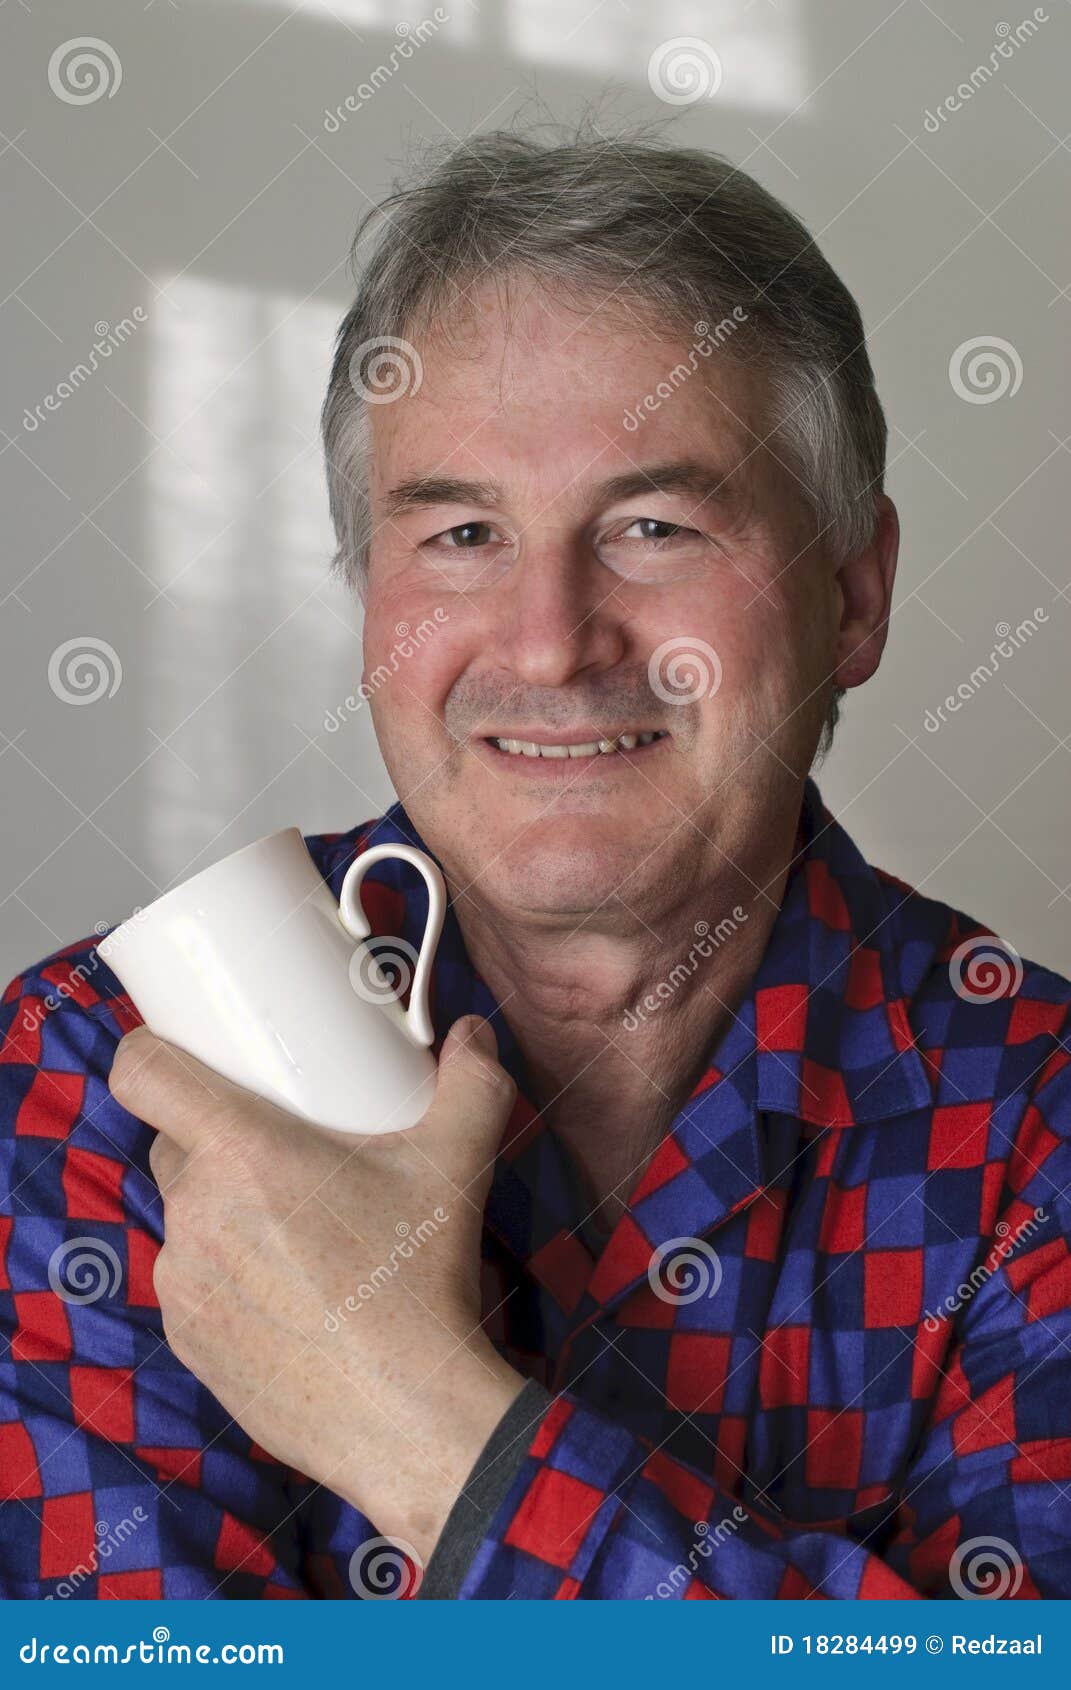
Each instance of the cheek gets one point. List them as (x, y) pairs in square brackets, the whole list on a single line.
[(712, 645), (772, 693), (739, 663), (412, 657)]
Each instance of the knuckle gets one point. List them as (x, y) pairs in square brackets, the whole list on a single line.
[(229, 1117), (178, 1339), (176, 1319), (157, 1157), (178, 1210), (127, 1065), (163, 1278), (184, 1210), (232, 1152)]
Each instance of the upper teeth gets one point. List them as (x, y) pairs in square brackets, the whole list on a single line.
[(529, 748)]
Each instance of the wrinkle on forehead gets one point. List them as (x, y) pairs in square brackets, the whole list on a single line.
[(533, 363)]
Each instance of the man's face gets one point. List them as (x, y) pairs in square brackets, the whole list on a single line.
[(594, 578)]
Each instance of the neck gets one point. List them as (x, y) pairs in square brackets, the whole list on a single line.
[(617, 1015)]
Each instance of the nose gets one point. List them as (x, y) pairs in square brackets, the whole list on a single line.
[(555, 617)]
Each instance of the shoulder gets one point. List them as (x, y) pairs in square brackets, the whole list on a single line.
[(956, 970), (994, 1029)]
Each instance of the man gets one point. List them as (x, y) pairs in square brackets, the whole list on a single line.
[(767, 1176)]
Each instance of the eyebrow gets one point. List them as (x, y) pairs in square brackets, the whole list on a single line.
[(690, 476)]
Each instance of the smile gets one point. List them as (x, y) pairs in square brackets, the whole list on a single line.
[(585, 748)]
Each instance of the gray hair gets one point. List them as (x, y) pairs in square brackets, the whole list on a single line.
[(684, 234)]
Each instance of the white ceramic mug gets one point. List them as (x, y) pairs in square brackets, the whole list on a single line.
[(250, 966)]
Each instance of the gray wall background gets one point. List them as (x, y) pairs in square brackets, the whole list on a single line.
[(173, 506)]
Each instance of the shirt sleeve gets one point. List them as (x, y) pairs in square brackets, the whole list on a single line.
[(120, 1475), (495, 1469), (593, 1512)]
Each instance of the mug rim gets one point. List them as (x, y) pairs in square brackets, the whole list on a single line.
[(210, 869)]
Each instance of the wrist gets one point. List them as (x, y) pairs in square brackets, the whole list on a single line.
[(408, 1478), (456, 1422)]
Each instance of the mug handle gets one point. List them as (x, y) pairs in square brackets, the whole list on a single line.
[(417, 1017)]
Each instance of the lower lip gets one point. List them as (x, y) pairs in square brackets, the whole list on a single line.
[(568, 768)]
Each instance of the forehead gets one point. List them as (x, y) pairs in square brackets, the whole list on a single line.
[(560, 389)]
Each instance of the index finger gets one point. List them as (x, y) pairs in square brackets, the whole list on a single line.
[(170, 1090)]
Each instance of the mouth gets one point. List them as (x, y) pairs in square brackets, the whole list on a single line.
[(532, 752)]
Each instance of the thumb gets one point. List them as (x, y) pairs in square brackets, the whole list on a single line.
[(473, 1096)]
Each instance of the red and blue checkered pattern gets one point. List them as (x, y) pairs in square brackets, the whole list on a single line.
[(875, 1375)]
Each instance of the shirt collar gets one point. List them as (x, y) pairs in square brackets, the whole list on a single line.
[(826, 1015)]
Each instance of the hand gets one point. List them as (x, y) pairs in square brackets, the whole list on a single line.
[(325, 1287)]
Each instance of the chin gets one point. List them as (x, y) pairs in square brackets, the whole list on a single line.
[(571, 865)]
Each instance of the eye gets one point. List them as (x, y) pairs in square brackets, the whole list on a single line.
[(667, 530), (651, 548), (466, 536)]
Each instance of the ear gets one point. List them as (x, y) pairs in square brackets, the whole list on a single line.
[(866, 585)]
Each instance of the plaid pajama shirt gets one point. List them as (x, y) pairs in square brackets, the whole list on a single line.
[(825, 1352)]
